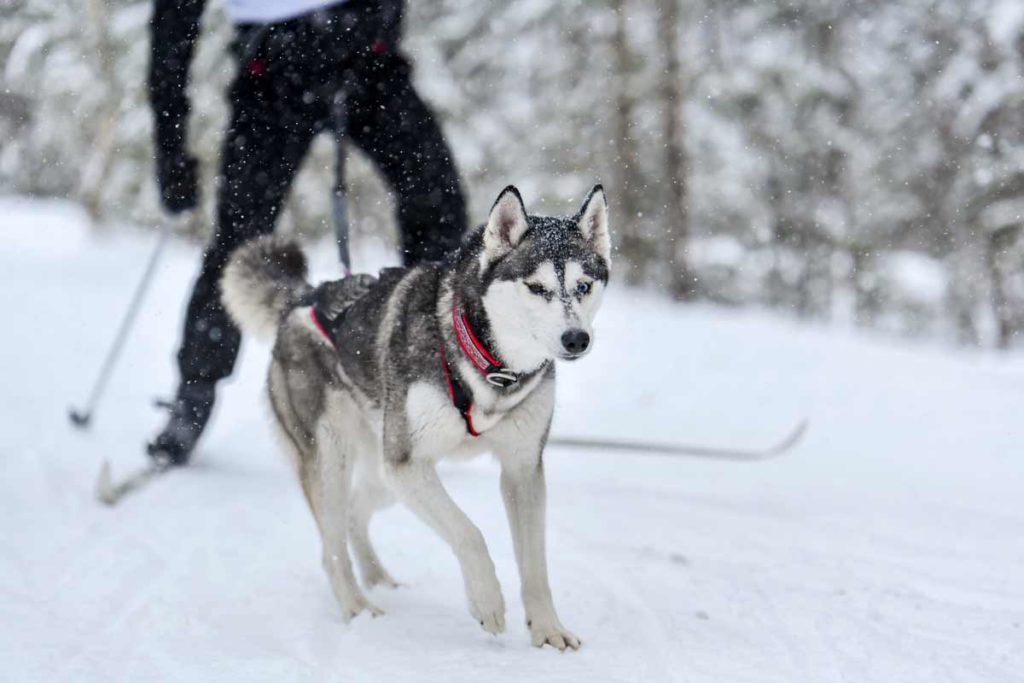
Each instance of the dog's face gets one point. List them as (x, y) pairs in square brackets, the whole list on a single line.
[(544, 278)]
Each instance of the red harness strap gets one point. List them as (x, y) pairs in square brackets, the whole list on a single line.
[(481, 359), (320, 326), (477, 354), (458, 394), (456, 391), (470, 345)]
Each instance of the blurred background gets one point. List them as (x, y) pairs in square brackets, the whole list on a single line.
[(854, 162), (859, 162)]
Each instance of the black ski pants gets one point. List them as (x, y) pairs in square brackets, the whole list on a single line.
[(279, 101)]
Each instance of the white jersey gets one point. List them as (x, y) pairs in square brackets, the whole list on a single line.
[(268, 11)]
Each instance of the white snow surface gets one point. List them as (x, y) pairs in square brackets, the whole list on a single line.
[(888, 546)]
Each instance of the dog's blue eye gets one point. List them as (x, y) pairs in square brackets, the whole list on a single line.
[(583, 288), (537, 289)]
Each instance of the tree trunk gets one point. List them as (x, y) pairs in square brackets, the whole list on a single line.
[(999, 242), (97, 166), (626, 175), (865, 288), (676, 161), (962, 295)]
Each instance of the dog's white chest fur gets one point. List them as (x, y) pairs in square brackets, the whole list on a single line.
[(435, 426), (437, 429)]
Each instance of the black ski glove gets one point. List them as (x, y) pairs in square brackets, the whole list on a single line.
[(176, 175)]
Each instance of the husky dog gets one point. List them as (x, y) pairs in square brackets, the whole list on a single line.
[(374, 380)]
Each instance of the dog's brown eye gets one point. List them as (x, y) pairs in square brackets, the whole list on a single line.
[(583, 288), (537, 289)]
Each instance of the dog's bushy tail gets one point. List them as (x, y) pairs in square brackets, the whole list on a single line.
[(264, 279)]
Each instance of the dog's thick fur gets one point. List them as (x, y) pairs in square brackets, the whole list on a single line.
[(368, 417)]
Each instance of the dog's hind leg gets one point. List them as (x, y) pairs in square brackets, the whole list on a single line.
[(368, 496), (328, 489), (323, 450)]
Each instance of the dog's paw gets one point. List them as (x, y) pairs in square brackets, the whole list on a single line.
[(357, 607), (379, 577), (551, 632), (487, 605)]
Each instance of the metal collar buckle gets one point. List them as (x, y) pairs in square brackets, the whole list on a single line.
[(502, 378)]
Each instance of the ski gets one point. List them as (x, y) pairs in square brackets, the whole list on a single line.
[(109, 493), (691, 451)]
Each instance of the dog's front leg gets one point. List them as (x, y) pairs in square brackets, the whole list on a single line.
[(417, 485), (524, 492)]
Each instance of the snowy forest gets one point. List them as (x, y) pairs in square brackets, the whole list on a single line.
[(860, 163), (792, 453)]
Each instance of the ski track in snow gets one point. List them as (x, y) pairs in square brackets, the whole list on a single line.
[(888, 546)]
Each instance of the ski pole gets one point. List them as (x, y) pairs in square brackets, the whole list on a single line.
[(338, 201), (82, 418)]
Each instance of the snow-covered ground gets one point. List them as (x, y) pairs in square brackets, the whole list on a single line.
[(889, 546)]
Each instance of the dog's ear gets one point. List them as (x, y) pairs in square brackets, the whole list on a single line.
[(505, 226), (593, 222)]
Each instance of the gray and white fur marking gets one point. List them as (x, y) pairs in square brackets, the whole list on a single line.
[(367, 415)]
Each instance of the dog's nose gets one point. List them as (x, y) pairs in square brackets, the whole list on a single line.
[(575, 341)]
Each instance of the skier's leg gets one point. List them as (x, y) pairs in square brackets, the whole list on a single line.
[(389, 121), (262, 152), (264, 145)]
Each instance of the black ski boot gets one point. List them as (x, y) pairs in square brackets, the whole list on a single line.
[(190, 412)]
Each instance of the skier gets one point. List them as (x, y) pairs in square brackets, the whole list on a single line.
[(293, 56)]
